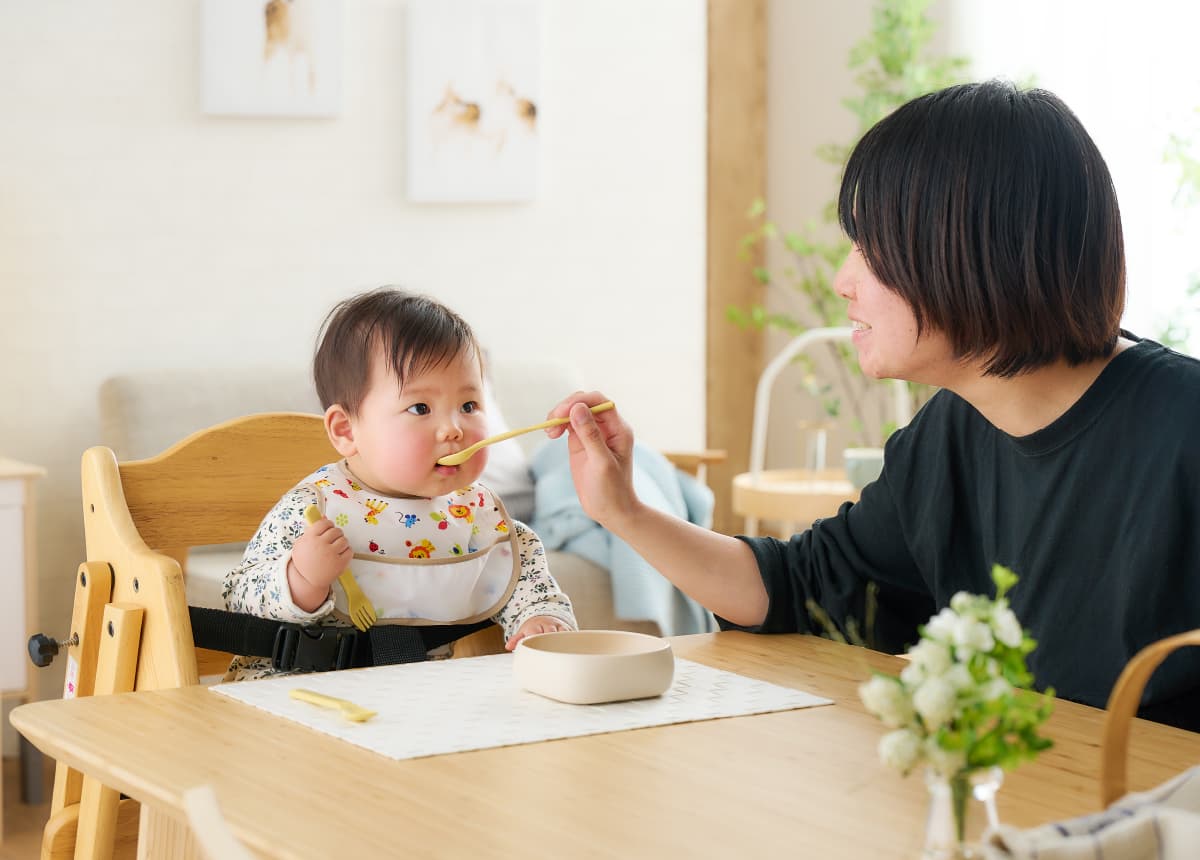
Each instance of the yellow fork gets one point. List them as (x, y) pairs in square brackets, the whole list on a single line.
[(362, 612)]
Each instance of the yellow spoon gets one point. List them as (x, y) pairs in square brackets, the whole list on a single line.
[(460, 457), (354, 713)]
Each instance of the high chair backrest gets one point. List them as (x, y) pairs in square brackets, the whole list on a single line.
[(213, 487), (131, 615)]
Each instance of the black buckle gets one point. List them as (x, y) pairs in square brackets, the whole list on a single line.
[(312, 649)]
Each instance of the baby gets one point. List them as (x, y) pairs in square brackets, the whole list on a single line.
[(400, 377)]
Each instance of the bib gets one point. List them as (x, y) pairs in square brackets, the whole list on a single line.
[(442, 560)]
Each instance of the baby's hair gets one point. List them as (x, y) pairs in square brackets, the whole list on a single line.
[(992, 213), (416, 333)]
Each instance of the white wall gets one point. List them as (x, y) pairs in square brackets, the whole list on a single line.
[(136, 232)]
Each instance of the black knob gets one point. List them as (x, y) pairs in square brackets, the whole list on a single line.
[(42, 648)]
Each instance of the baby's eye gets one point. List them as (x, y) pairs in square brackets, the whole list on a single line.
[(419, 409), (470, 406)]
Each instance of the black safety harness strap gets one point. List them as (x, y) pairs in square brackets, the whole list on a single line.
[(312, 648)]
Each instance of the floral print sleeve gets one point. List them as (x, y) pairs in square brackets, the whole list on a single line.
[(259, 585), (536, 592)]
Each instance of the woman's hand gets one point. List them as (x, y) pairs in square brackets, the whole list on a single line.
[(601, 456)]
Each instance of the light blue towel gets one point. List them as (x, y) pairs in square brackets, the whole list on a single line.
[(639, 591)]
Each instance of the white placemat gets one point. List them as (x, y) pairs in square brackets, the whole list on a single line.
[(449, 706)]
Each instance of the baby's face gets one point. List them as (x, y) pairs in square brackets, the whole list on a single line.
[(399, 433)]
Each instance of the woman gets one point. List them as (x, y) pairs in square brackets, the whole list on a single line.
[(988, 261)]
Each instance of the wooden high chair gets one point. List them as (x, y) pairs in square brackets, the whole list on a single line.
[(130, 615), (1122, 708)]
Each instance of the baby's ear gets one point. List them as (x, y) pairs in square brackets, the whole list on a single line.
[(340, 430)]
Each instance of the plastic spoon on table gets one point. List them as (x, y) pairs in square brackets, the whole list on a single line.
[(354, 713), (460, 457)]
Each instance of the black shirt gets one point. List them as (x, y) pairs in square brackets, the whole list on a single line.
[(1097, 513)]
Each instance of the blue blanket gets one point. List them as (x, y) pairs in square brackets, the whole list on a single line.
[(639, 591)]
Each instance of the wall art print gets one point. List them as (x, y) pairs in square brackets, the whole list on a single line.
[(473, 111), (271, 58)]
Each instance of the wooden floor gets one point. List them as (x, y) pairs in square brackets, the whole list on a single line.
[(23, 823)]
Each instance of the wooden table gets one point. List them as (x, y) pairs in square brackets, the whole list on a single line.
[(804, 783)]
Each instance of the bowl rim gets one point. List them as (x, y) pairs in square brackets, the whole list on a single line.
[(662, 644)]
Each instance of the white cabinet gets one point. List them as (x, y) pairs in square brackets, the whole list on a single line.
[(18, 605), (18, 608), (17, 575)]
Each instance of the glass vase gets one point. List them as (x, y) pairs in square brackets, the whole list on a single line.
[(961, 808)]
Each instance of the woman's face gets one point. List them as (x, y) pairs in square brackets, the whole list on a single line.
[(885, 329)]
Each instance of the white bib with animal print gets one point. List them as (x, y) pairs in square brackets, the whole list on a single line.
[(441, 560)]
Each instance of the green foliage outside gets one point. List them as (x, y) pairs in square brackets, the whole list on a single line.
[(1184, 152), (893, 66)]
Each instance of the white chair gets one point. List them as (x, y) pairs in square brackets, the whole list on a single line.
[(795, 496)]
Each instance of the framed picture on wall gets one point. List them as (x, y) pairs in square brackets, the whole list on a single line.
[(278, 58), (473, 112)]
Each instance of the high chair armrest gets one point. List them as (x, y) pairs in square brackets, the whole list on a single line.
[(695, 463)]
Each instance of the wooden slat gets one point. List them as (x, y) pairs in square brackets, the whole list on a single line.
[(116, 665), (737, 147), (93, 589)]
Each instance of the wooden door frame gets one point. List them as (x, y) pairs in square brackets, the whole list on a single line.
[(737, 169)]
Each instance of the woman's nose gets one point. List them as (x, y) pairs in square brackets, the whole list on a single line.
[(843, 281)]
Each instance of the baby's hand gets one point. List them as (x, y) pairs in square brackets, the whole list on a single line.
[(321, 554), (536, 624)]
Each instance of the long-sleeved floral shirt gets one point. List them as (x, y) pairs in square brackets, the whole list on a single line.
[(259, 585)]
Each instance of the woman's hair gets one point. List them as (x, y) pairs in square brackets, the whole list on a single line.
[(992, 213), (416, 333)]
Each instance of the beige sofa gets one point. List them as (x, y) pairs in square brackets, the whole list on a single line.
[(142, 414)]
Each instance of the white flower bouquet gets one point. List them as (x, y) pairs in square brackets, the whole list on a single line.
[(962, 704)]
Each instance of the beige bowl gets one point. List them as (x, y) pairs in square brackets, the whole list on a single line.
[(586, 667)]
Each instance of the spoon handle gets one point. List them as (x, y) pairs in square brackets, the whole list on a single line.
[(553, 422), (460, 457)]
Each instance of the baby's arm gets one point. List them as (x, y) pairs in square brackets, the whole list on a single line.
[(260, 584), (537, 603)]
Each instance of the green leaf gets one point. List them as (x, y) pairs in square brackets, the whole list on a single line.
[(1004, 579)]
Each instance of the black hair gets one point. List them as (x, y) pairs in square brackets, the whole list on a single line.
[(992, 213), (415, 332)]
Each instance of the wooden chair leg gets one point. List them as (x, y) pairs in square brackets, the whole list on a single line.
[(1122, 707), (93, 590), (116, 668), (58, 838)]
